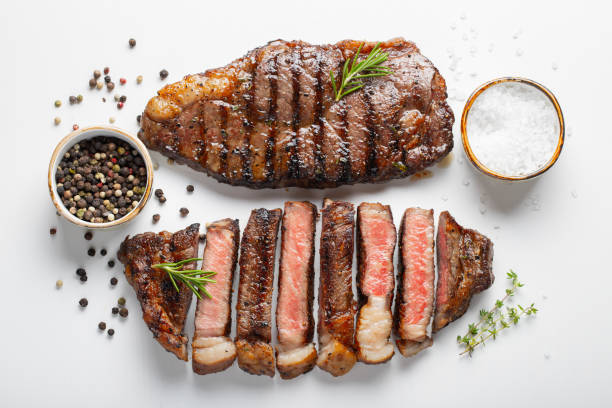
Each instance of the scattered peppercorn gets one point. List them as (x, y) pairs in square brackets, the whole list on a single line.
[(102, 326), (123, 312), (162, 199), (159, 192), (156, 218), (110, 86), (72, 99), (122, 81), (91, 251), (121, 301), (52, 230), (163, 74), (106, 70), (96, 74), (184, 211), (202, 237), (111, 263), (103, 252), (58, 103), (83, 302), (99, 85), (57, 120), (115, 310), (120, 105), (111, 332), (113, 281), (139, 79), (81, 272), (138, 118), (122, 98), (132, 43), (92, 83), (88, 235), (59, 283), (190, 188), (79, 98), (75, 127), (111, 120), (83, 278)]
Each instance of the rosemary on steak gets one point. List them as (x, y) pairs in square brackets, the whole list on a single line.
[(495, 320), (353, 74), (195, 279)]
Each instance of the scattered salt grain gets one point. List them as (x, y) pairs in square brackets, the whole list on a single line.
[(574, 194), (453, 26), (482, 209), (466, 182), (513, 129), (519, 52), (555, 66), (444, 198), (491, 47), (463, 16), (517, 34), (497, 227)]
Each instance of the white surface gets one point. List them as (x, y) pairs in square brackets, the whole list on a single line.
[(552, 231)]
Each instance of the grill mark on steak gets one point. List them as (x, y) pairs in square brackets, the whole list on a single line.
[(212, 349), (276, 124), (376, 239), (465, 260), (415, 293), (253, 309), (164, 309), (296, 353), (336, 301)]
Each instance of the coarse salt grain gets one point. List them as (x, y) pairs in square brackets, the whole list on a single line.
[(513, 129)]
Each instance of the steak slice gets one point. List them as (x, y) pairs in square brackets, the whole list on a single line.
[(270, 118), (296, 353), (253, 309), (465, 259), (212, 348), (376, 238), (336, 301), (163, 308), (415, 291)]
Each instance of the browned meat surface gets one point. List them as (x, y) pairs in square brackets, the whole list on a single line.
[(253, 326), (336, 300), (296, 353), (213, 349), (269, 119), (376, 238), (163, 308), (465, 259)]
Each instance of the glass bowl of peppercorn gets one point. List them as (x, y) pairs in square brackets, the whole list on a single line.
[(100, 177)]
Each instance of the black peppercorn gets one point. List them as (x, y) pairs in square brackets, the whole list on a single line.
[(52, 230), (83, 302), (88, 235), (91, 251), (115, 310), (156, 218), (83, 278), (111, 332), (159, 192), (103, 252), (132, 42), (111, 263), (123, 312), (107, 79), (162, 199), (102, 326), (113, 281), (190, 188), (163, 74), (184, 211), (81, 272)]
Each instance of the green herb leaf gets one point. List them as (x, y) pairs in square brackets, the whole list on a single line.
[(194, 279)]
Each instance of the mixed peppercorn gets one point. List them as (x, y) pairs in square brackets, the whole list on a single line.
[(101, 179)]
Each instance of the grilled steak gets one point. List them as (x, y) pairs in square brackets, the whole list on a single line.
[(376, 239), (212, 348), (163, 308), (415, 292), (465, 259), (336, 301), (269, 119), (296, 353), (253, 328)]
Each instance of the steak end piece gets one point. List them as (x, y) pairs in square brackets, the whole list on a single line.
[(336, 327), (376, 239), (212, 349), (254, 306), (465, 260), (164, 309), (270, 118), (415, 293)]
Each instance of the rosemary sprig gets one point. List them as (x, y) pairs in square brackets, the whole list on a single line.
[(353, 75), (495, 320), (195, 279)]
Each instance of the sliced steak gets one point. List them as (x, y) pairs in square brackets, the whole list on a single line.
[(415, 291), (465, 260), (253, 309), (376, 238), (212, 348), (163, 308), (270, 118), (336, 300), (296, 353)]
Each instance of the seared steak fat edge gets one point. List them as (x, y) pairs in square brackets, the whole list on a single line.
[(270, 119)]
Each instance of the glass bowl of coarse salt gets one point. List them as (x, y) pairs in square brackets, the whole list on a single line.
[(512, 129)]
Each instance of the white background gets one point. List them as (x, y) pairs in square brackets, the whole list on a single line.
[(552, 231)]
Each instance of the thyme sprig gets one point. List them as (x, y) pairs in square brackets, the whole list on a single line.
[(353, 74), (495, 320), (195, 279)]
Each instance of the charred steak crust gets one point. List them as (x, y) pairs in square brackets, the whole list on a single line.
[(286, 287), (465, 260), (269, 119), (336, 326), (164, 309), (253, 309)]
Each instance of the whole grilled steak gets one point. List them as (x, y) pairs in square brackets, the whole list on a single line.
[(270, 119), (296, 353), (336, 325), (415, 288), (163, 308), (212, 348), (376, 238), (254, 307), (465, 260)]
